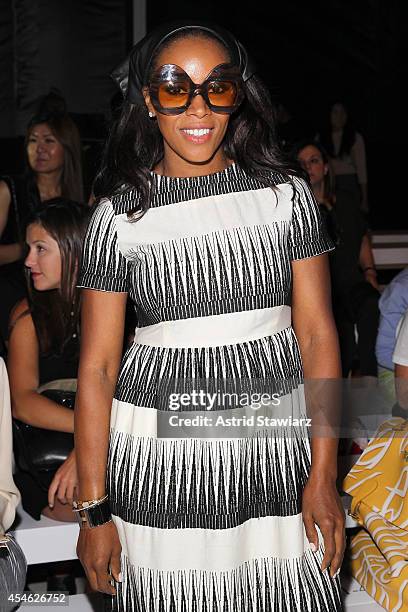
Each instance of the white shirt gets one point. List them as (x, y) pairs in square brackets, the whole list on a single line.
[(9, 495)]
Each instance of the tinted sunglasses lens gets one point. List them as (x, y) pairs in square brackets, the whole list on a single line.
[(173, 94), (222, 93)]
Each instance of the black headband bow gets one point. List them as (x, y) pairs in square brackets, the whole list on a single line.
[(132, 74)]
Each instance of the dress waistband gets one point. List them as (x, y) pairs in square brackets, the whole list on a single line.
[(215, 330)]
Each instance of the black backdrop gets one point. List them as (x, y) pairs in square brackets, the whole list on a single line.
[(308, 53), (311, 53)]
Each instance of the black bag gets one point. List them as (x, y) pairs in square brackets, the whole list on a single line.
[(39, 451)]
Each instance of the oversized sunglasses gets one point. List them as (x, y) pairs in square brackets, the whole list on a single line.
[(172, 90)]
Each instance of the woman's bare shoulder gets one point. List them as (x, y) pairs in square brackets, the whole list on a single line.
[(4, 192), (20, 312)]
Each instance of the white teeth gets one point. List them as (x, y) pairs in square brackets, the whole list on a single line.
[(201, 132)]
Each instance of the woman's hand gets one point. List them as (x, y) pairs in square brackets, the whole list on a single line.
[(321, 506), (99, 550), (64, 483)]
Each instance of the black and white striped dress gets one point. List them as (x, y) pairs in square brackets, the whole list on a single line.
[(209, 523)]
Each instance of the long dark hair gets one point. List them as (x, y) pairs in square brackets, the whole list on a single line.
[(56, 312), (67, 134), (348, 137), (135, 144)]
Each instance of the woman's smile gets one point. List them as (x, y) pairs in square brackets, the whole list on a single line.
[(197, 135)]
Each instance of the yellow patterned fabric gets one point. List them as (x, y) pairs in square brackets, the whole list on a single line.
[(378, 484)]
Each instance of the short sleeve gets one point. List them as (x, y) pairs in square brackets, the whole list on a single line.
[(103, 266), (308, 235), (400, 355)]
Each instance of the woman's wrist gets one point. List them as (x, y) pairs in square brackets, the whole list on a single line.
[(93, 512), (323, 476)]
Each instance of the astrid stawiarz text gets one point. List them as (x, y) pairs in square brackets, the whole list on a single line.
[(177, 420)]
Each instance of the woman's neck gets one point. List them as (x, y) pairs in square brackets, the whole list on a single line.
[(173, 165), (318, 191), (49, 184)]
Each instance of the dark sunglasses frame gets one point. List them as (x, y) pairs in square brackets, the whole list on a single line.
[(168, 73)]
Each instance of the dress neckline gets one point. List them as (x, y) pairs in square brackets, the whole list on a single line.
[(169, 183)]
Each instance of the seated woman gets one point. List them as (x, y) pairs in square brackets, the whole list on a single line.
[(52, 151), (44, 344), (354, 281)]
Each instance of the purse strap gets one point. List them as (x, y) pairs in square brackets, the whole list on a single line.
[(63, 384)]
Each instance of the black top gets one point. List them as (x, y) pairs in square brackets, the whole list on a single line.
[(55, 366), (347, 227), (25, 198)]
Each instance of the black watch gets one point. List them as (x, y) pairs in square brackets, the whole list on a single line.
[(94, 513)]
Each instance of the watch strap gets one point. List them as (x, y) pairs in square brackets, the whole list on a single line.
[(95, 515)]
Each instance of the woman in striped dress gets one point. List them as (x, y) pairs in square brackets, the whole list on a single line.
[(214, 493)]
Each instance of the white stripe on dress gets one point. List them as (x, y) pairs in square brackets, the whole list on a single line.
[(206, 215), (225, 549), (216, 330)]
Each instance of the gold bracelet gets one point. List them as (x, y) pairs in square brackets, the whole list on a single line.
[(80, 505), (93, 513)]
